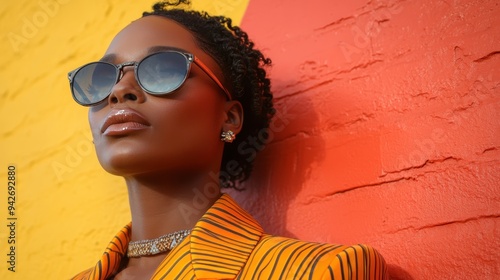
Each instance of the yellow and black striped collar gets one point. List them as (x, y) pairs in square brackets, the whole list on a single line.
[(223, 239), (217, 248)]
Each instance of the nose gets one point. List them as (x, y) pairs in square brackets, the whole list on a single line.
[(126, 89)]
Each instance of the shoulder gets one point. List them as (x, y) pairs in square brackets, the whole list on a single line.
[(289, 258)]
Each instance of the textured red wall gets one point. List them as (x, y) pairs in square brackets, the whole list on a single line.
[(388, 131)]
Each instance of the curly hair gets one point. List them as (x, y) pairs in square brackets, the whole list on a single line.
[(244, 75)]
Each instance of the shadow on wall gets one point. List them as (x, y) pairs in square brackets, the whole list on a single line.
[(397, 273), (283, 166)]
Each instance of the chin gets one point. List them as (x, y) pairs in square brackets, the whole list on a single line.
[(120, 168), (121, 162)]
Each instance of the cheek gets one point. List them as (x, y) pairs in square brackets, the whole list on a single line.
[(189, 128), (94, 118), (188, 132), (184, 134)]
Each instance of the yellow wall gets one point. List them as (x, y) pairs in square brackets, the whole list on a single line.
[(67, 208)]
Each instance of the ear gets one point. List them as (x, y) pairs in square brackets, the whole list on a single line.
[(233, 118)]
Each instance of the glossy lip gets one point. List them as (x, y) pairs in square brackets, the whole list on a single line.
[(123, 121)]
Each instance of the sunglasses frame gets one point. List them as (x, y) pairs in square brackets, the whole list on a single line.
[(190, 58)]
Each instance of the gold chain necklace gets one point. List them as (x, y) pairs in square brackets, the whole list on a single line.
[(155, 246)]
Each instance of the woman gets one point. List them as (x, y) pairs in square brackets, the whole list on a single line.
[(169, 102)]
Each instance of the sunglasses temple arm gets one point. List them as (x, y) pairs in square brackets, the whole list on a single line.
[(212, 76)]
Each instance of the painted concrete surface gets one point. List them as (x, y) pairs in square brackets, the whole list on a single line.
[(390, 130), (68, 208)]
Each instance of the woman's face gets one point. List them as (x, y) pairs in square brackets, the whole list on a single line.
[(138, 133)]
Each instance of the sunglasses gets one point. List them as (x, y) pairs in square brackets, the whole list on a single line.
[(159, 73)]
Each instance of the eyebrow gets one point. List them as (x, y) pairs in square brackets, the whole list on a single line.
[(112, 57)]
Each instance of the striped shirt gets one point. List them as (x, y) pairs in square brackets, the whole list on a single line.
[(227, 243)]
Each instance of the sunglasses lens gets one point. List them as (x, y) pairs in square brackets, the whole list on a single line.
[(93, 82), (162, 73)]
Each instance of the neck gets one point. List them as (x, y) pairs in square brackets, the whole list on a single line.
[(162, 204)]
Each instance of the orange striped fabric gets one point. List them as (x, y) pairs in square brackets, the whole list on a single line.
[(227, 243)]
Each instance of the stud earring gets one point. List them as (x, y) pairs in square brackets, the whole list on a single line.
[(227, 136)]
